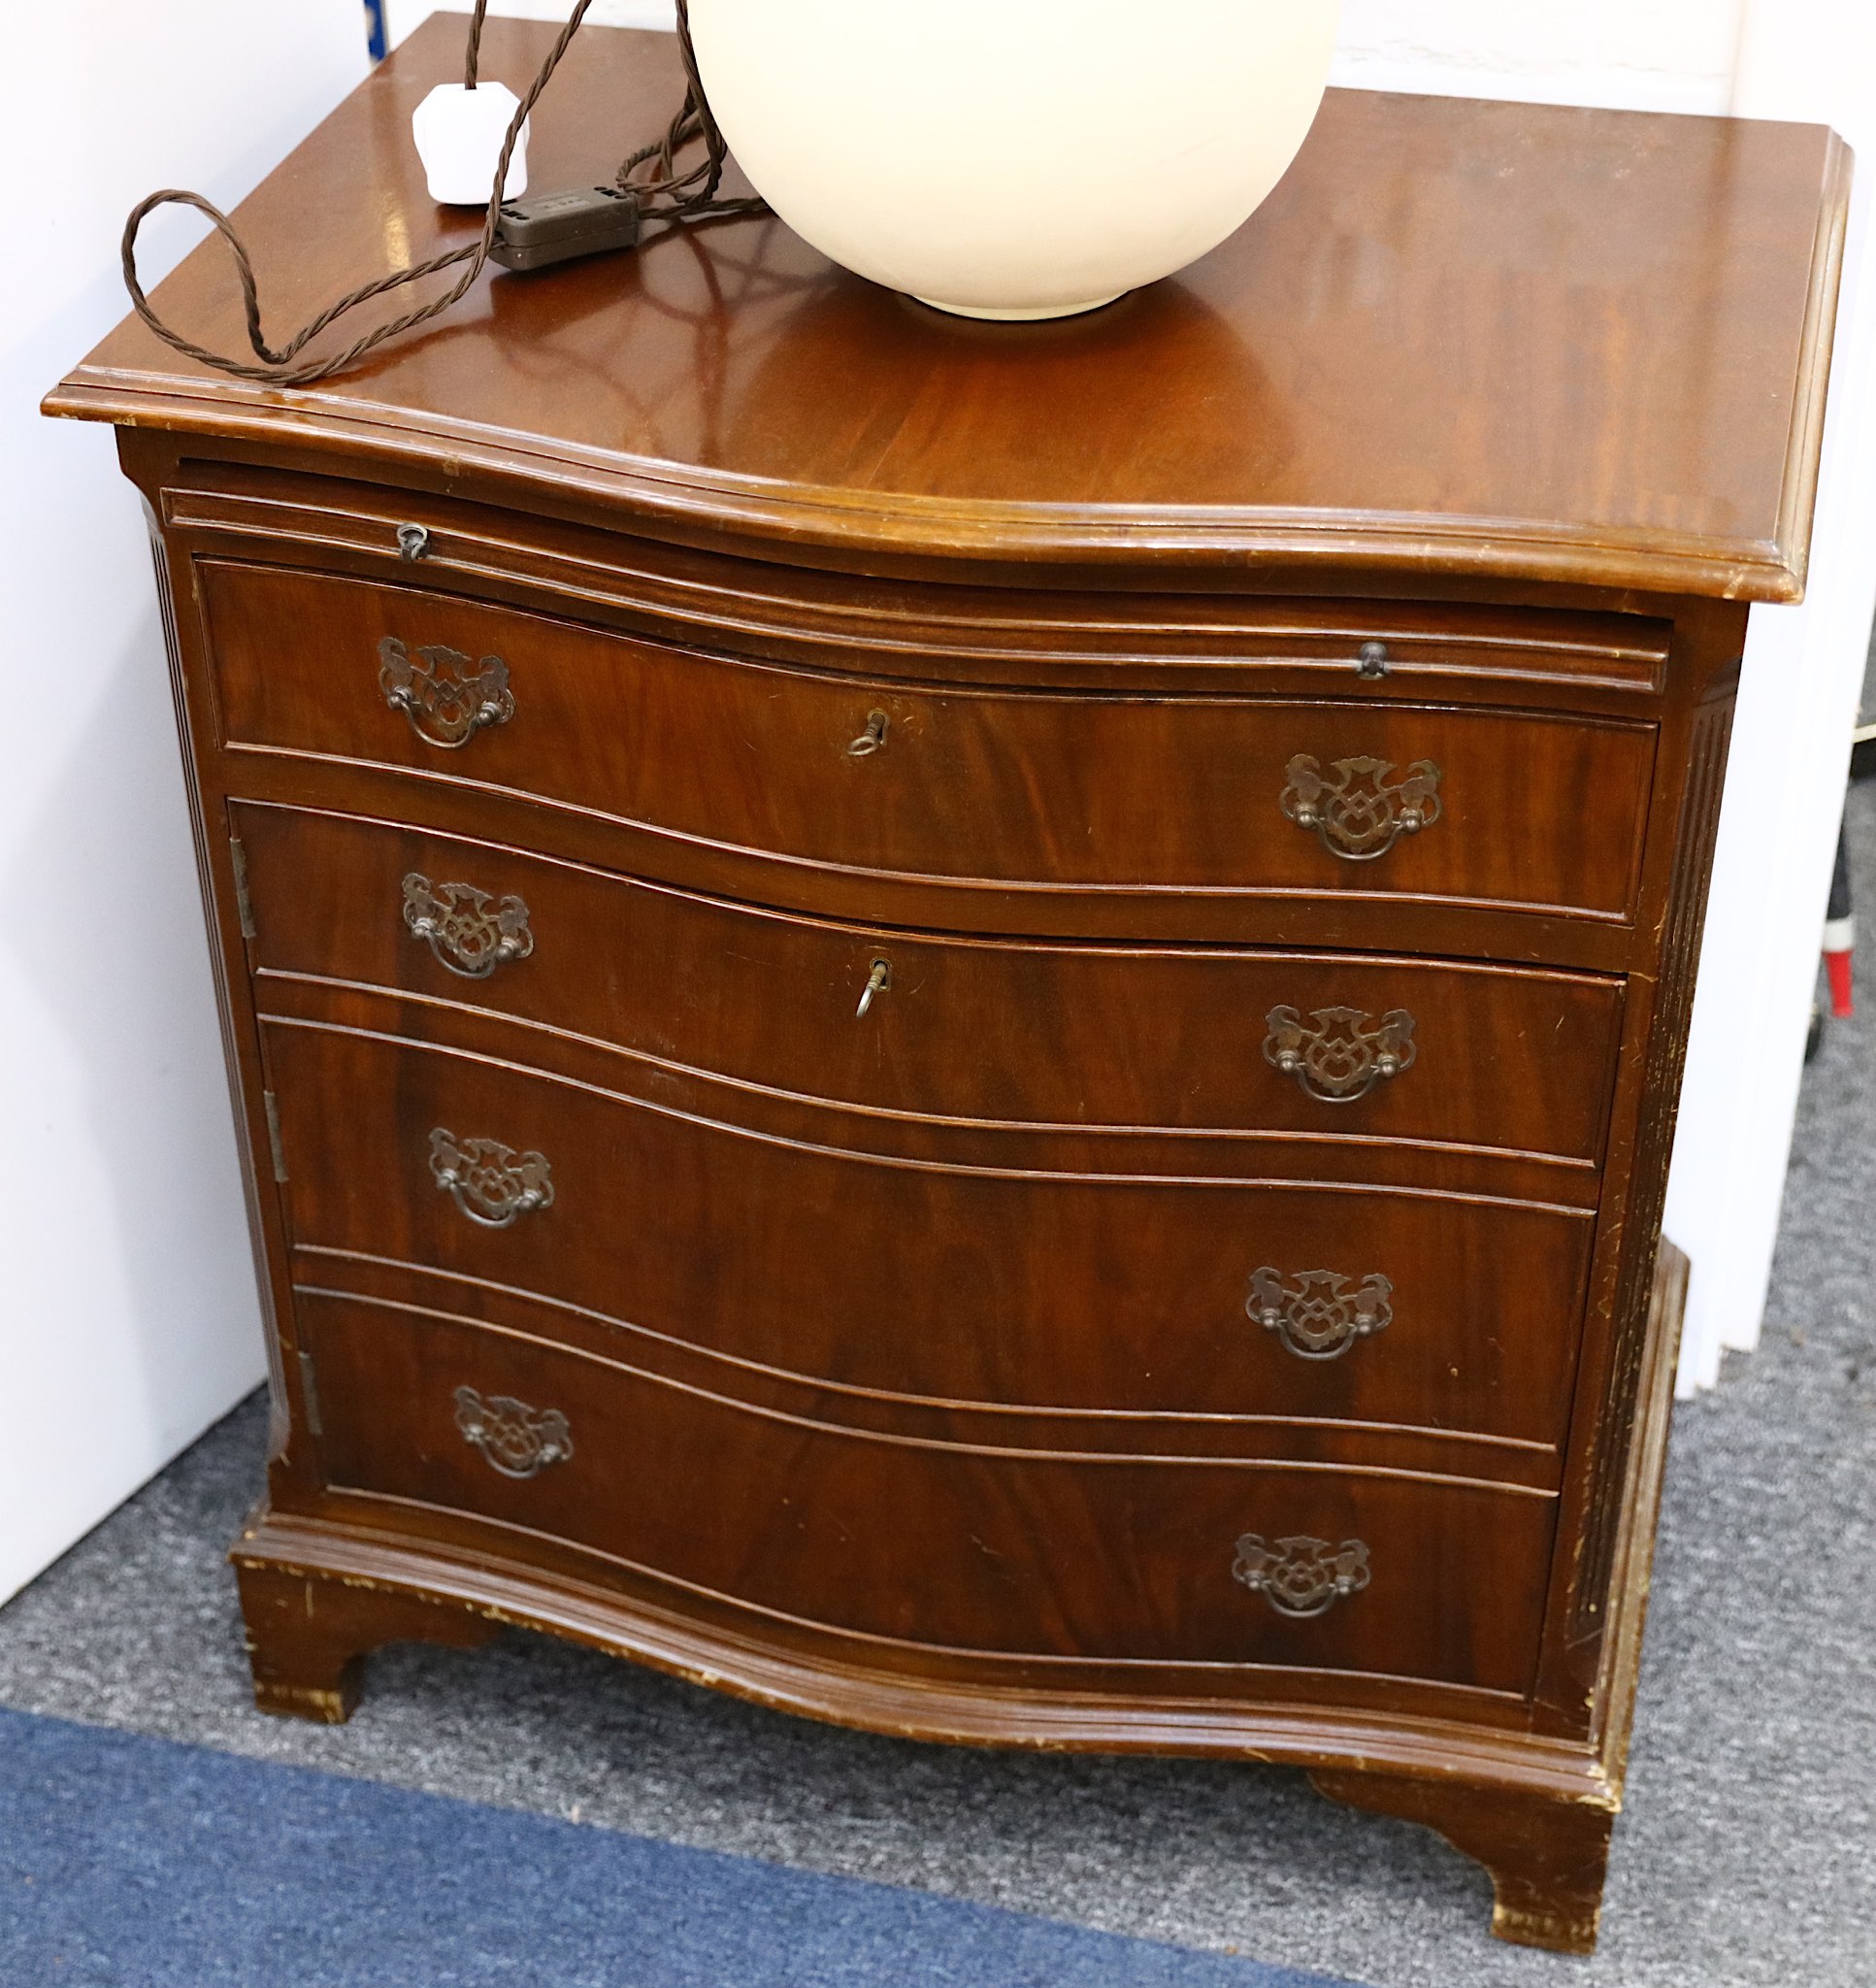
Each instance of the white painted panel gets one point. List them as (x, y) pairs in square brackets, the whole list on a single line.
[(1654, 54), (128, 1319), (1813, 60)]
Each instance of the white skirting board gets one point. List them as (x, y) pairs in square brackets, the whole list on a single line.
[(1811, 59)]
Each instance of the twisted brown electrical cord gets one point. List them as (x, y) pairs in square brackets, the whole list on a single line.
[(473, 56), (667, 195)]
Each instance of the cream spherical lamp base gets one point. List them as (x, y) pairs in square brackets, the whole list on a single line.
[(1014, 158)]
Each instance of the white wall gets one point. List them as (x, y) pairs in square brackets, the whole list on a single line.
[(402, 16), (1674, 54), (128, 1319), (1662, 55)]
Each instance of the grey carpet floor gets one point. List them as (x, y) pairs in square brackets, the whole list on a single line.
[(1742, 1860)]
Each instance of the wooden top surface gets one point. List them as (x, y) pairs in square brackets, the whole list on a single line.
[(1498, 339)]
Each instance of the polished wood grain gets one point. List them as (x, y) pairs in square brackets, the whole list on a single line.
[(1041, 793), (1079, 1036), (1340, 1161), (1472, 338), (913, 1542), (1125, 915), (909, 1362), (948, 1282), (323, 1591)]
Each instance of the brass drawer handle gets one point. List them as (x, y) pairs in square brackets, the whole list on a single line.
[(464, 934), (1360, 814), (1315, 1315), (1300, 1577), (413, 541), (447, 697), (514, 1439), (871, 739), (489, 1181), (1344, 1056)]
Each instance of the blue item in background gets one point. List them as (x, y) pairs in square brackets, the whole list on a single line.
[(375, 29)]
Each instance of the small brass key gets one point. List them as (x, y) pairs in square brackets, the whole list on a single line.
[(877, 981), (871, 739)]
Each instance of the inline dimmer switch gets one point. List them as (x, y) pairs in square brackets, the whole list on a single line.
[(556, 227)]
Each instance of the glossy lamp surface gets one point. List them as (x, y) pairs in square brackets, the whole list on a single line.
[(1015, 158)]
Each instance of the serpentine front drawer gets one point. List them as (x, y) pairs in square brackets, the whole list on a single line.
[(730, 602), (1047, 793), (1312, 1046)]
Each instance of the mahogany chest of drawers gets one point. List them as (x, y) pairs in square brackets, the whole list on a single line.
[(975, 1028)]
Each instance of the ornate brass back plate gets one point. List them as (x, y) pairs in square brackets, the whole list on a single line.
[(1315, 1315), (1356, 811), (516, 1440), (447, 697), (461, 929), (488, 1180), (1300, 1577), (1345, 1055)]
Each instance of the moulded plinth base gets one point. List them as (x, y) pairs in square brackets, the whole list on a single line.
[(317, 1597)]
